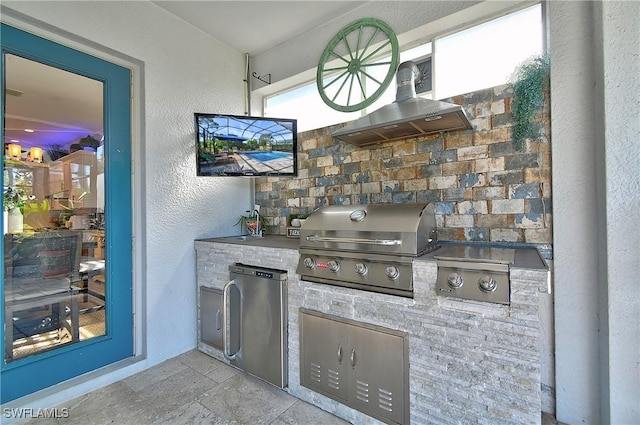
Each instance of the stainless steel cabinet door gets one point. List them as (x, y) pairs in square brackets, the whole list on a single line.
[(377, 375), (324, 356)]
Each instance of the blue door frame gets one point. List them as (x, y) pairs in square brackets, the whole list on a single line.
[(28, 375)]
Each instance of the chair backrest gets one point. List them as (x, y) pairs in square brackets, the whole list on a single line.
[(44, 255)]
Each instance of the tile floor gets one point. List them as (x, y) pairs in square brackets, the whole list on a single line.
[(193, 389)]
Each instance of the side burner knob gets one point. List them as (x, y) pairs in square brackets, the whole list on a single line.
[(309, 263), (487, 284), (361, 269), (455, 280), (334, 266), (392, 272)]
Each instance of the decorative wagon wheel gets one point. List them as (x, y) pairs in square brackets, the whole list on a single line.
[(346, 65)]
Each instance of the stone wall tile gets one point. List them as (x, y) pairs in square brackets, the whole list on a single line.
[(538, 206), (526, 190), (490, 137), (441, 157), (350, 189), (537, 236), (406, 173), (317, 191), (501, 149), (373, 187), (308, 144), (457, 194), (427, 196), (351, 167), (458, 167), (493, 192), (476, 234), (472, 207), (382, 153), (332, 170), (472, 152), (505, 178), (430, 170), (482, 123), (456, 220), (492, 221), (430, 145), (443, 182), (529, 221), (324, 161), (415, 184), (361, 155), (536, 175), (404, 148), (446, 207), (382, 198), (518, 162), (472, 180), (506, 235), (506, 206), (404, 197), (483, 165), (458, 139)]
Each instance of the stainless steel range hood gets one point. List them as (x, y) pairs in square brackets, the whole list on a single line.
[(408, 116)]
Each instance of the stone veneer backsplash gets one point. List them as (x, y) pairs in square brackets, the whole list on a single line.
[(485, 190)]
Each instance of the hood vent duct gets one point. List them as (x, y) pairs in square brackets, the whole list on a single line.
[(408, 116)]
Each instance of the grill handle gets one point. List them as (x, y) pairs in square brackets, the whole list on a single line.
[(385, 242)]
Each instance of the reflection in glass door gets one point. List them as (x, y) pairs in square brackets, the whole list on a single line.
[(54, 280), (66, 282)]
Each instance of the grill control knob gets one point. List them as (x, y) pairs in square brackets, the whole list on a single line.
[(393, 272), (361, 269), (334, 266), (487, 284), (455, 280), (309, 263)]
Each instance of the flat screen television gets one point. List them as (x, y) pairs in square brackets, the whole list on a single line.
[(238, 145)]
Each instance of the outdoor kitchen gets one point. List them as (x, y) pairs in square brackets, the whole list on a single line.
[(441, 241)]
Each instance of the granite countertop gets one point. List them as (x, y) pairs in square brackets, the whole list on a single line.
[(528, 258), (268, 241)]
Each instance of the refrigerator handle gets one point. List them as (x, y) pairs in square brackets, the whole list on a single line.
[(225, 320)]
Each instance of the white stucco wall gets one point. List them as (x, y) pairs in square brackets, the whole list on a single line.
[(185, 71), (621, 82), (596, 198)]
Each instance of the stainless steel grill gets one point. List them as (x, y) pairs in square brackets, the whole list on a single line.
[(368, 247)]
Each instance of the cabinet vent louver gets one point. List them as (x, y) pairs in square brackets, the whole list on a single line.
[(334, 379), (314, 372), (385, 400), (362, 390)]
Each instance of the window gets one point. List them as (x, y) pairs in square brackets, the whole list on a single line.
[(473, 59), (486, 55)]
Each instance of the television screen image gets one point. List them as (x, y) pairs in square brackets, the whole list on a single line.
[(238, 145)]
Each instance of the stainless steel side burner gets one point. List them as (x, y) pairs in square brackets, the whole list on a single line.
[(369, 247), (475, 273)]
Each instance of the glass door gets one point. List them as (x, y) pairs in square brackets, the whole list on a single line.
[(66, 276)]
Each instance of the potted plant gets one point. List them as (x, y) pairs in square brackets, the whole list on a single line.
[(251, 221), (297, 220), (15, 198)]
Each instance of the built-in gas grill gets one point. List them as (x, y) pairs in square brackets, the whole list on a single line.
[(368, 247)]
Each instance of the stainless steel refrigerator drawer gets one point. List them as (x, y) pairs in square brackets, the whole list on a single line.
[(211, 316)]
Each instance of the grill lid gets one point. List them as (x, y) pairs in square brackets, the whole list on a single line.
[(395, 229)]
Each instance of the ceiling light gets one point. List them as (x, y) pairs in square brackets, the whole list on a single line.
[(28, 130)]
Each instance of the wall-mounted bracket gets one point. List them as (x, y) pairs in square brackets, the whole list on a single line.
[(267, 76)]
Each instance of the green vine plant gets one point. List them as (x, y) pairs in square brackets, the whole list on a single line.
[(528, 82)]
